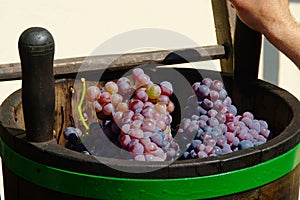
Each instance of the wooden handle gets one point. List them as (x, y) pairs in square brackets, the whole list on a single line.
[(36, 49)]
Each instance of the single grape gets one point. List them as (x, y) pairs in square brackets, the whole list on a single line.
[(265, 132), (163, 99), (136, 106), (92, 93), (170, 107), (104, 98), (124, 88), (116, 99), (214, 95), (136, 133), (97, 107), (218, 105), (136, 124), (136, 73), (207, 104), (217, 85), (222, 94), (125, 129), (148, 125), (141, 94), (212, 122), (122, 107), (125, 140), (245, 144), (153, 91), (161, 124), (111, 87), (166, 88), (143, 79), (123, 80), (138, 116), (207, 82), (160, 107), (202, 154), (108, 109), (203, 91), (136, 148), (212, 113), (249, 115), (140, 157)]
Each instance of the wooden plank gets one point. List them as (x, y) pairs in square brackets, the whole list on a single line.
[(12, 71), (223, 31)]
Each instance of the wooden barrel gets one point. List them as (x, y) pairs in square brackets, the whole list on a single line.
[(48, 170)]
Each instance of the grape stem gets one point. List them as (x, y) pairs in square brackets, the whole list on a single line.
[(79, 108)]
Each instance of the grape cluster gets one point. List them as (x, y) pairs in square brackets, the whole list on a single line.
[(135, 115), (217, 129)]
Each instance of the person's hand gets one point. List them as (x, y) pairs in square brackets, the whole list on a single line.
[(273, 19), (264, 15)]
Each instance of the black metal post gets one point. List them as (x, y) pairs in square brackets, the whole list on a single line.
[(36, 49)]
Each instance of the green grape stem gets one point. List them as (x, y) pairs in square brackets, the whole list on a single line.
[(79, 108)]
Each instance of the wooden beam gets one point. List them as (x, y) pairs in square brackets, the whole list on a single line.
[(223, 26), (122, 61)]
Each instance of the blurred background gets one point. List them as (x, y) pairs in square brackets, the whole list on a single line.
[(78, 27)]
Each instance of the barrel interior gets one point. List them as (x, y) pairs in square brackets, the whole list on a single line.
[(266, 101)]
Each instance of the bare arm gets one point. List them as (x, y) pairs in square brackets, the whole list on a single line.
[(273, 19)]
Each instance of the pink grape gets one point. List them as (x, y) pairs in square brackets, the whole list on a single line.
[(111, 87), (92, 93), (207, 82), (202, 154), (160, 107), (148, 112), (140, 157), (149, 146), (136, 133), (143, 79), (170, 107), (148, 125), (104, 98), (125, 140), (125, 128), (141, 94), (136, 148), (136, 106), (123, 80), (203, 91), (195, 86), (117, 116), (136, 124), (138, 116), (249, 115), (116, 99), (161, 124), (124, 88), (214, 95), (136, 73), (122, 107), (217, 85), (97, 107), (164, 99), (166, 88), (108, 109)]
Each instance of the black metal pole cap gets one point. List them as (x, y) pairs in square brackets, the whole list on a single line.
[(36, 40)]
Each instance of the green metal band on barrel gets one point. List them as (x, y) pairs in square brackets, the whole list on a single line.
[(93, 186)]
